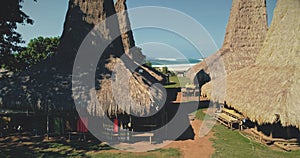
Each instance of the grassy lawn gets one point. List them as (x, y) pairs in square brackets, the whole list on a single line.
[(26, 148), (231, 144), (200, 114), (160, 153), (75, 149), (178, 82)]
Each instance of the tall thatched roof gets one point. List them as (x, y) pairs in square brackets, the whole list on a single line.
[(127, 93), (245, 33), (271, 87), (130, 48), (48, 85), (125, 27)]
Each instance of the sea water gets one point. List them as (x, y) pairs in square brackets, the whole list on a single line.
[(173, 63)]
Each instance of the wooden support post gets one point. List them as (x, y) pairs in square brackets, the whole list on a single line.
[(47, 126), (166, 129), (260, 139), (1, 127), (271, 134), (288, 131), (241, 125), (62, 127)]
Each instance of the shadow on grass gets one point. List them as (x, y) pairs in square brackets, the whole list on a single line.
[(28, 146), (169, 83), (228, 143), (15, 146)]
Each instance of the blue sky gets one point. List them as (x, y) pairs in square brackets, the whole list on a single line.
[(49, 16)]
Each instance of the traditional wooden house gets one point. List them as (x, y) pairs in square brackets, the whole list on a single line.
[(46, 90), (266, 91), (245, 34)]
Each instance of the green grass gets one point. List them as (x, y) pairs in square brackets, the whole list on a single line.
[(200, 114), (78, 149), (69, 152), (232, 144), (160, 153), (166, 153), (50, 149), (178, 82)]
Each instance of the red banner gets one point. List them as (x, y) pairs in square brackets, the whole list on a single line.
[(116, 127), (82, 124)]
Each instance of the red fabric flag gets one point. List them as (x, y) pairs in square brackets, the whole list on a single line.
[(116, 128), (82, 124)]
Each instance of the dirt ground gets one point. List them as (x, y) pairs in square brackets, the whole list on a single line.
[(197, 148)]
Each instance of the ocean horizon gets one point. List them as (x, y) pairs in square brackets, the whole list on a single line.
[(174, 64)]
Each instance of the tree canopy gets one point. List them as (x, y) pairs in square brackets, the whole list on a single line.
[(38, 49), (11, 15)]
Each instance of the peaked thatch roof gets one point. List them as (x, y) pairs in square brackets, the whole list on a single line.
[(48, 85), (126, 93), (271, 86), (125, 26), (130, 48), (245, 33)]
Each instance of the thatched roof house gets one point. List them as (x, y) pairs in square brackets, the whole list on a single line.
[(270, 88), (267, 90), (127, 35), (130, 48), (47, 86), (245, 33)]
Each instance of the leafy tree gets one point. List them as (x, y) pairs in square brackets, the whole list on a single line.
[(165, 70), (11, 15), (148, 63), (38, 49)]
